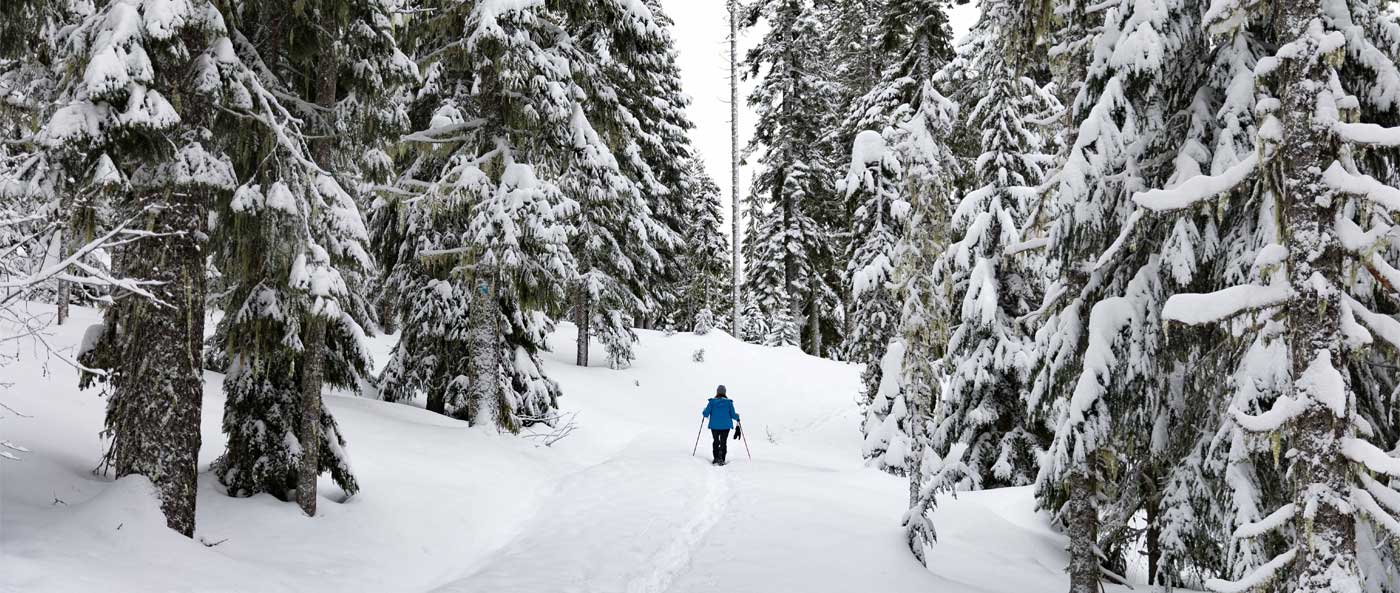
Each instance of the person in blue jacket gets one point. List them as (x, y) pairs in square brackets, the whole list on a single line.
[(721, 413)]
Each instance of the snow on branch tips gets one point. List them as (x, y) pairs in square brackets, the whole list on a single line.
[(1270, 523), (1198, 188), (1364, 133), (1198, 309), (1385, 327), (1371, 456), (1264, 574), (1365, 501), (868, 149), (1324, 384), (1362, 185)]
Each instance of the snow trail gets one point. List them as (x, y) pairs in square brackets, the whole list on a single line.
[(627, 524)]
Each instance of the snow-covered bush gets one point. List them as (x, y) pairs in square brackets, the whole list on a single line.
[(704, 321)]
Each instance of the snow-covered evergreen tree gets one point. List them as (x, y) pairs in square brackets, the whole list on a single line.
[(60, 219), (474, 236), (703, 253), (655, 96), (1308, 305), (986, 427), (930, 173), (789, 249), (914, 120), (753, 326), (1102, 374), (139, 110), (628, 129), (782, 329), (292, 246), (873, 184)]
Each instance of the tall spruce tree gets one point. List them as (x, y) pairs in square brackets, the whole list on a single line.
[(914, 120), (472, 234), (626, 76), (794, 201), (1100, 368), (1309, 303), (931, 171), (703, 254), (987, 436), (292, 246), (659, 103), (873, 185), (143, 112)]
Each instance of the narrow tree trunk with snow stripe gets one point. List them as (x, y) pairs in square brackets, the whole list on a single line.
[(734, 214), (583, 316), (484, 405)]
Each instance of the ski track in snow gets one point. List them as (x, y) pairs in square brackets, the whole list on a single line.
[(676, 556), (641, 513)]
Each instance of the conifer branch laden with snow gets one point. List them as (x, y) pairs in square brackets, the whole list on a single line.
[(1309, 305)]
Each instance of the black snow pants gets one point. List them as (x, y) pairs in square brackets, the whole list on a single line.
[(721, 446)]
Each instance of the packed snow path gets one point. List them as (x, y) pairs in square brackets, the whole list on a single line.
[(620, 506)]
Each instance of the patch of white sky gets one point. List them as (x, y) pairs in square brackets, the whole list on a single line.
[(701, 34)]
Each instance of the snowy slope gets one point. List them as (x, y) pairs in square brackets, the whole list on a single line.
[(618, 506)]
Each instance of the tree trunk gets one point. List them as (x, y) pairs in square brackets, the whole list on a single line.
[(583, 319), (65, 297), (437, 399), (1082, 521), (734, 214), (154, 410), (313, 361), (1325, 537), (483, 363), (65, 288), (1154, 530), (313, 356)]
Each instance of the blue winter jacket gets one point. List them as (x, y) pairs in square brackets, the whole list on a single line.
[(721, 413)]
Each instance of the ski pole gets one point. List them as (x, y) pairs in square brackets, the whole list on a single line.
[(697, 438), (746, 442)]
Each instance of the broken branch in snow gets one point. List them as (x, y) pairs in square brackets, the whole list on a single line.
[(564, 425)]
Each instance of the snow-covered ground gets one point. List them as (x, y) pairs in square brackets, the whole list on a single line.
[(618, 506)]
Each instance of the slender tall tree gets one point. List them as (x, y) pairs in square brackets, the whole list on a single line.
[(735, 215)]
